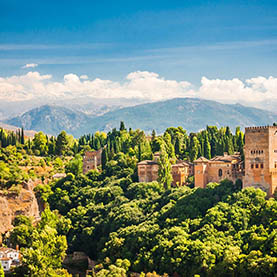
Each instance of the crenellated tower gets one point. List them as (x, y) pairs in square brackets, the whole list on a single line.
[(260, 153)]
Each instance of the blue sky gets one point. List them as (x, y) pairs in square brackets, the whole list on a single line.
[(180, 40)]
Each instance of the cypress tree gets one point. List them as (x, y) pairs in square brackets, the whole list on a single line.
[(194, 149), (122, 126), (164, 172), (104, 158), (22, 139), (97, 144), (213, 147), (177, 146), (153, 135), (207, 148), (228, 132), (229, 147), (139, 152)]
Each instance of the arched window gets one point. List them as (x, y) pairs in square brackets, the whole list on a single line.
[(220, 172)]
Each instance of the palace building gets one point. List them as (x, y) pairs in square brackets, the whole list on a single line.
[(259, 168), (260, 162), (148, 171), (217, 169)]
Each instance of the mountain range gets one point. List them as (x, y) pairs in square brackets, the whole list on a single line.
[(191, 113)]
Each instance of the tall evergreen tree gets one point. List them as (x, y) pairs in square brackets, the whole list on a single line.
[(122, 126), (153, 135), (207, 148), (164, 172), (177, 145), (104, 157), (194, 148), (22, 139)]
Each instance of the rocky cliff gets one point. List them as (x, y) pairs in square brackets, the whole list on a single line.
[(11, 205)]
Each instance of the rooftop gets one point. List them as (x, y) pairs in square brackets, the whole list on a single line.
[(59, 175), (6, 249), (181, 163), (5, 259), (226, 158), (147, 162), (202, 159)]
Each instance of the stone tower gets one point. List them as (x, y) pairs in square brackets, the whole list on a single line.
[(200, 172), (260, 153), (91, 160)]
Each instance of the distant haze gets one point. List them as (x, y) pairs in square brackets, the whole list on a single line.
[(191, 113)]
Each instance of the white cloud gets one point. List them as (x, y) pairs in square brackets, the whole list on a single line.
[(30, 65), (236, 91), (140, 84)]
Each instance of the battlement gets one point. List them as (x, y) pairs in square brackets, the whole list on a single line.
[(255, 128)]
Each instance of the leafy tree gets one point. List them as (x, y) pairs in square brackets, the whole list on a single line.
[(45, 250), (40, 143), (62, 143), (45, 254), (75, 166), (1, 271)]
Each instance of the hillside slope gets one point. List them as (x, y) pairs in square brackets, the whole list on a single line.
[(51, 120), (192, 114)]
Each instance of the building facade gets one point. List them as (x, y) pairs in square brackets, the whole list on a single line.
[(148, 171), (217, 169), (260, 153), (259, 168), (180, 173), (9, 257), (91, 160)]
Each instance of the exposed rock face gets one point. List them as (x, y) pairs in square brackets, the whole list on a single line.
[(12, 205)]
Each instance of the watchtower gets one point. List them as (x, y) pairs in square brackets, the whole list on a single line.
[(260, 153), (91, 160)]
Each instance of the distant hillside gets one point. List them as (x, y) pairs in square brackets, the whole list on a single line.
[(50, 119), (192, 114)]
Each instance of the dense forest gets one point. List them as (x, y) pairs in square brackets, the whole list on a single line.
[(125, 226)]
